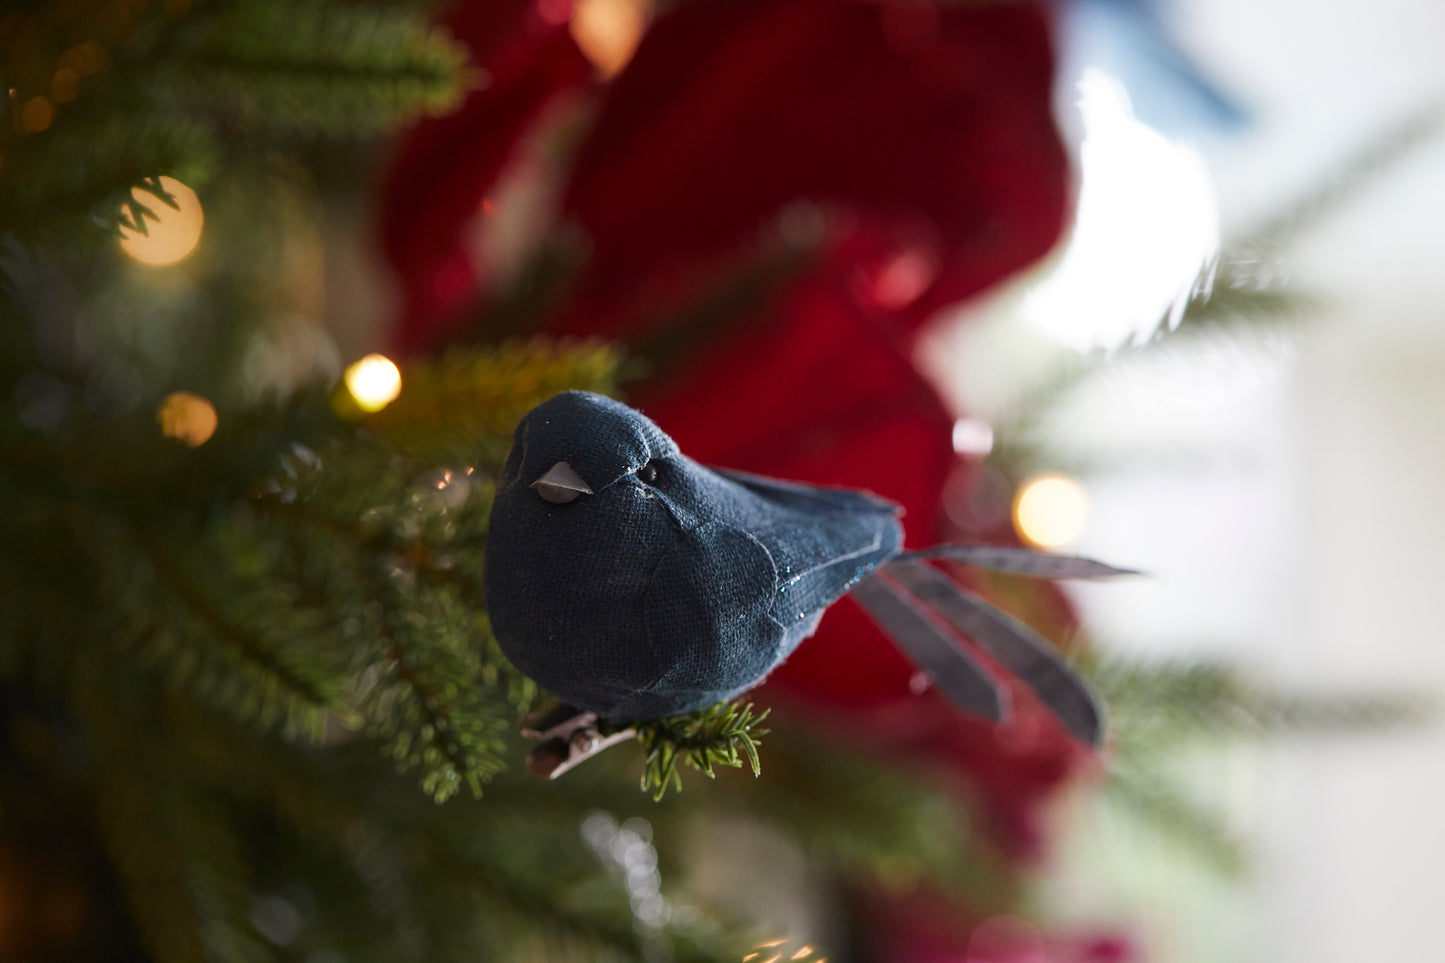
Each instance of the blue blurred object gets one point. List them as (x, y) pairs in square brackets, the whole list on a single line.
[(1131, 40), (632, 582)]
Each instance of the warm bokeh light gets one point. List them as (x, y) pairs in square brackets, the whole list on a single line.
[(608, 31), (37, 114), (65, 85), (778, 951), (187, 417), (85, 58), (1050, 511), (374, 382), (174, 233)]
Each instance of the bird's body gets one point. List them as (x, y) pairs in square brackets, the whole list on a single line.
[(670, 586), (634, 583)]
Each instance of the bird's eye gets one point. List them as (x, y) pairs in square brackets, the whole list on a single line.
[(648, 472)]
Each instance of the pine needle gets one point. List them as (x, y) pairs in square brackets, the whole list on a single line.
[(726, 734)]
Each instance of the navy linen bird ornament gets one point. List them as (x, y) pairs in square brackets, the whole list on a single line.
[(634, 584)]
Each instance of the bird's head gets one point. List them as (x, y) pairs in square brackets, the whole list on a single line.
[(579, 444), (576, 532)]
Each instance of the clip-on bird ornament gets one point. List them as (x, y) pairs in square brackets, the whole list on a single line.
[(633, 583)]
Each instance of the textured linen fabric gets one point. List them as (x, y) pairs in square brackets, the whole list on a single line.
[(667, 589)]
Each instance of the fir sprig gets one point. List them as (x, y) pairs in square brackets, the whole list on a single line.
[(722, 735), (1163, 703), (108, 96), (298, 570), (1163, 709)]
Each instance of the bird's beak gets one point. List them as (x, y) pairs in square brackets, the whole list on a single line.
[(561, 484)]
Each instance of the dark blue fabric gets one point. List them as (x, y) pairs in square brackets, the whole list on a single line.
[(671, 586)]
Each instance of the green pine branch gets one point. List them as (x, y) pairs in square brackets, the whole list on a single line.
[(1243, 295), (312, 66), (1170, 702), (1195, 825), (721, 735), (172, 88), (876, 821), (1160, 710), (486, 879), (300, 570)]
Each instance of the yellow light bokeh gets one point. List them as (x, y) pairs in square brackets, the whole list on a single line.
[(85, 58), (187, 417), (608, 31), (374, 382), (174, 233), (1050, 511), (64, 86), (37, 114)]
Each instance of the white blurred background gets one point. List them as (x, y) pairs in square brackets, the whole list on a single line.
[(1282, 488)]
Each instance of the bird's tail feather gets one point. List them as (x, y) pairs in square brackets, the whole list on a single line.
[(1020, 561), (1017, 647), (932, 649)]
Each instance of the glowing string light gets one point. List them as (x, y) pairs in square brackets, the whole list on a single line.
[(37, 114), (608, 31), (174, 233), (187, 418), (65, 85), (374, 382), (1050, 511)]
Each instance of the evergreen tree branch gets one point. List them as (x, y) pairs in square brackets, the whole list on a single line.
[(1172, 701), (1242, 294), (162, 93), (1162, 709), (248, 648), (448, 752), (723, 735), (1185, 821), (900, 827), (150, 824)]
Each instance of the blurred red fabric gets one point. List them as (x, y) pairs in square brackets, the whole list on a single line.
[(446, 165)]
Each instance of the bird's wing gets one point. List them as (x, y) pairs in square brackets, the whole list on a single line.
[(823, 541), (932, 649), (819, 560), (809, 499), (1023, 651), (707, 620)]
